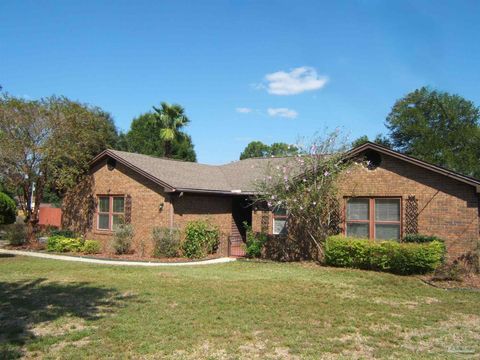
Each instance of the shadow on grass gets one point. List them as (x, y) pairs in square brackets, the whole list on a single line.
[(6, 256), (26, 304)]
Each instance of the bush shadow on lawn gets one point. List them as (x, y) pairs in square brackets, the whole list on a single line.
[(26, 304)]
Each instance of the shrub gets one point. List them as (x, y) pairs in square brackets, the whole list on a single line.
[(63, 232), (8, 209), (255, 242), (201, 238), (391, 256), (448, 271), (91, 247), (16, 234), (166, 242), (59, 243), (122, 239), (418, 238)]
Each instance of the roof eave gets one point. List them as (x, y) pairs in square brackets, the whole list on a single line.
[(451, 174)]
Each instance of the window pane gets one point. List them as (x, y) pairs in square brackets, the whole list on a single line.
[(117, 220), (103, 222), (280, 211), (387, 209), (357, 209), (279, 226), (103, 204), (387, 232), (118, 204), (357, 230)]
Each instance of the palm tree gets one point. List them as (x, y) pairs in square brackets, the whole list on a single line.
[(171, 119)]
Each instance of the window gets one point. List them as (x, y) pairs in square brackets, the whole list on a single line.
[(279, 221), (111, 212), (374, 218)]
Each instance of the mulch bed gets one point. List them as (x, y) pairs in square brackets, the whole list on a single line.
[(108, 256)]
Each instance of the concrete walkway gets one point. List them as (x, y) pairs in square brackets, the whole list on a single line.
[(112, 262)]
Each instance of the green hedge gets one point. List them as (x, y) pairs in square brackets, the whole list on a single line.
[(59, 243), (418, 238), (8, 209), (390, 256)]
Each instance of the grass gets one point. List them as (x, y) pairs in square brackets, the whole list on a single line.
[(242, 310)]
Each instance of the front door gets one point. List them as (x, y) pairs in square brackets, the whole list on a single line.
[(241, 213)]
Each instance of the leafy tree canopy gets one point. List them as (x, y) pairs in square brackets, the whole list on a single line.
[(259, 149), (379, 139), (8, 209), (48, 143), (144, 138), (437, 127)]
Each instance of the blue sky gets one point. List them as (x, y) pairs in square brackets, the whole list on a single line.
[(244, 70)]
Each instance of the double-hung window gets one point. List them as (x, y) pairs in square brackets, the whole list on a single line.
[(279, 221), (111, 212), (374, 218)]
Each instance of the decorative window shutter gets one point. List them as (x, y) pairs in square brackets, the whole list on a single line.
[(128, 209)]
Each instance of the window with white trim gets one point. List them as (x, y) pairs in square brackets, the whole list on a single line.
[(374, 218), (279, 221), (111, 212)]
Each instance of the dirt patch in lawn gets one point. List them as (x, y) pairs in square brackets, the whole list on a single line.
[(56, 329)]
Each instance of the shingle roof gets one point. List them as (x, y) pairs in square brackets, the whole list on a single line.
[(238, 176)]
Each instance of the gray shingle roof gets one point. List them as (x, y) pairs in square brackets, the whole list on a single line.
[(183, 176)]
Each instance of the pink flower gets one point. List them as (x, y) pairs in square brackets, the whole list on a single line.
[(326, 173)]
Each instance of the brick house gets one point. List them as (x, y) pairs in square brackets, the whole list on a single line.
[(394, 196)]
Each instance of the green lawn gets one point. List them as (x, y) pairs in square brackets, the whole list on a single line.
[(240, 310)]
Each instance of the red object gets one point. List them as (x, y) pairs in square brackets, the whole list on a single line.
[(49, 216)]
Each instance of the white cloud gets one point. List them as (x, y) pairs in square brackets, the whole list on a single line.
[(298, 80), (244, 110), (282, 112)]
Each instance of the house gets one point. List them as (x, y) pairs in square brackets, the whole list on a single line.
[(395, 195)]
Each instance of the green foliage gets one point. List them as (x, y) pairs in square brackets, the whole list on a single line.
[(8, 210), (390, 256), (379, 139), (166, 242), (49, 143), (255, 242), (437, 127), (143, 138), (63, 232), (123, 238), (201, 238), (16, 234), (58, 243), (418, 238), (91, 247), (259, 149)]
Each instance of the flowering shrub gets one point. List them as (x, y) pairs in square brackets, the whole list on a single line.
[(306, 186), (58, 243)]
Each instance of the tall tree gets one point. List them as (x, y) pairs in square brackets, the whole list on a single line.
[(379, 139), (438, 127), (48, 143), (259, 149), (171, 119), (143, 138)]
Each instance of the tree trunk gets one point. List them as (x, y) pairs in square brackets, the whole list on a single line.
[(168, 149)]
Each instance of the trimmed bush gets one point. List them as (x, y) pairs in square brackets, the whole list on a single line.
[(122, 239), (16, 234), (63, 232), (59, 243), (166, 242), (91, 247), (8, 209), (201, 238), (255, 243), (390, 256), (418, 238)]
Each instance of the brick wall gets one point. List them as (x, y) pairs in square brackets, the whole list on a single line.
[(146, 212), (446, 207)]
